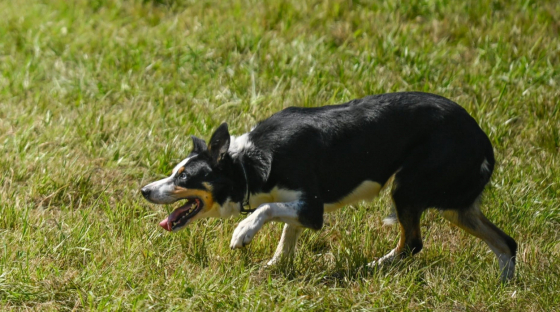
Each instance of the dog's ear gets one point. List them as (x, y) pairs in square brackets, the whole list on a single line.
[(199, 146), (219, 144)]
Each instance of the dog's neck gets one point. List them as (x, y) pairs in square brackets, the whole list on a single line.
[(253, 167)]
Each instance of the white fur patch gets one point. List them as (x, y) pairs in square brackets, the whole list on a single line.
[(276, 195), (160, 191), (180, 165), (366, 191), (228, 209), (238, 144)]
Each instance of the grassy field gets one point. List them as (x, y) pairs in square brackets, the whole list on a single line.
[(97, 98)]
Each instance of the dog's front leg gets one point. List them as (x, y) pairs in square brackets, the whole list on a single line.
[(287, 244), (289, 213)]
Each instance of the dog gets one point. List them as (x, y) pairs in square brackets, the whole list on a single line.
[(303, 162)]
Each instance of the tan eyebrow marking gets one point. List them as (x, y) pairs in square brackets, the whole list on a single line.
[(180, 170)]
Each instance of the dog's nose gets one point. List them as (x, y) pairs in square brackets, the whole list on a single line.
[(145, 192)]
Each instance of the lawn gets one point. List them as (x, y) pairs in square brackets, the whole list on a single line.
[(98, 98)]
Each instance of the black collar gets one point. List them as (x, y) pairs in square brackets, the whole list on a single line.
[(245, 201)]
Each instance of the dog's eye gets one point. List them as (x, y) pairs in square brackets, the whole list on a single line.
[(183, 176)]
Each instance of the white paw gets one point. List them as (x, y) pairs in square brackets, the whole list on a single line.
[(386, 259), (273, 261), (245, 232)]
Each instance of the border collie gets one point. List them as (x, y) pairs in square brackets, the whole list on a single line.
[(302, 162)]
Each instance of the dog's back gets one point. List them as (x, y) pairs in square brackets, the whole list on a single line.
[(431, 141)]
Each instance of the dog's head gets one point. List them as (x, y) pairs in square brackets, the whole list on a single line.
[(201, 181)]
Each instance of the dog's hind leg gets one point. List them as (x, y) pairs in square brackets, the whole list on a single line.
[(408, 212), (287, 245), (410, 241), (475, 223)]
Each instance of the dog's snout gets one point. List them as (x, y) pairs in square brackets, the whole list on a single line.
[(145, 192)]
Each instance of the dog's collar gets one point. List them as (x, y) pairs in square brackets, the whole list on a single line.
[(245, 201)]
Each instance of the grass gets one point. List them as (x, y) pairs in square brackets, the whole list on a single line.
[(97, 98)]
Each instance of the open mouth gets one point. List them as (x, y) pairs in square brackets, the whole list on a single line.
[(182, 215)]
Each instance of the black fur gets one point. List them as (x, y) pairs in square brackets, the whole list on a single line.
[(432, 144), (326, 152)]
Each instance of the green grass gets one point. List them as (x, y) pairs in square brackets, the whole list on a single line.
[(97, 98)]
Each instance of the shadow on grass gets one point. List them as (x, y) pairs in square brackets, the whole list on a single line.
[(167, 3), (332, 272)]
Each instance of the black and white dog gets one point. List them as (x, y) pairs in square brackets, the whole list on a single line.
[(303, 162)]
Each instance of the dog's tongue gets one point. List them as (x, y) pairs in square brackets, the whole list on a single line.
[(176, 215), (164, 224)]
